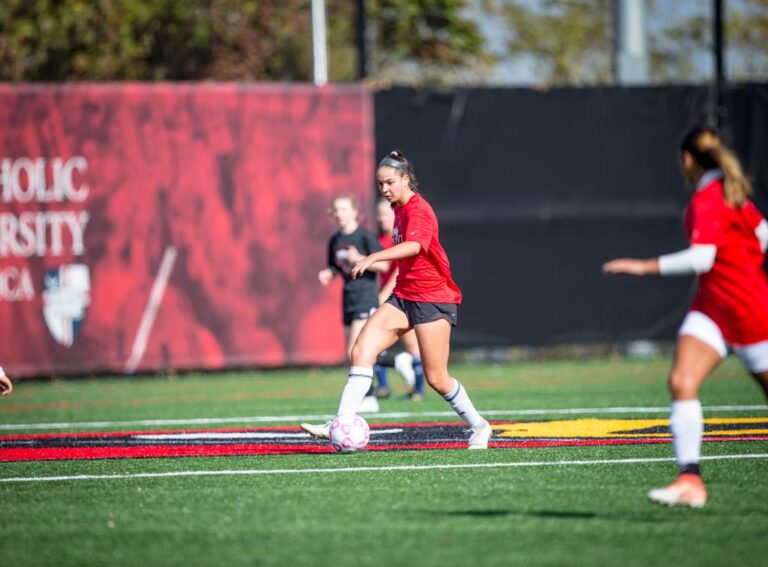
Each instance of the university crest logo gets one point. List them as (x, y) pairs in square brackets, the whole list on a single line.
[(66, 297)]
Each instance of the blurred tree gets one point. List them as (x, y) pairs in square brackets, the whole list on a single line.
[(56, 40), (432, 41), (674, 47), (570, 41)]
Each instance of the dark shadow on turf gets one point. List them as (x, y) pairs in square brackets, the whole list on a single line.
[(520, 513)]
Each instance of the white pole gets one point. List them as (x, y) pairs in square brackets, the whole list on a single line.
[(319, 46)]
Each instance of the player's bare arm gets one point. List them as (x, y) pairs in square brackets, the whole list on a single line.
[(632, 266), (355, 256), (397, 252)]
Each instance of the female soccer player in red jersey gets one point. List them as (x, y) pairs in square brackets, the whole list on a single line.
[(424, 299), (728, 238)]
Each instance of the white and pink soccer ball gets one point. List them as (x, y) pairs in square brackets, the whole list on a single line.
[(349, 433)]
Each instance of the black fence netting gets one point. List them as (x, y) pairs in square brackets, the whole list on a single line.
[(535, 190)]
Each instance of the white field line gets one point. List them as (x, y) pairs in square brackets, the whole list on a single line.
[(326, 417), (259, 472)]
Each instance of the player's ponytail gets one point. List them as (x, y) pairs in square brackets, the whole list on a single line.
[(397, 161), (707, 149)]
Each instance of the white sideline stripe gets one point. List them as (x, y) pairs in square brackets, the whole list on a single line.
[(150, 311), (326, 417), (254, 472)]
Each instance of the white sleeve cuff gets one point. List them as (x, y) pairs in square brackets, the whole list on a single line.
[(697, 259), (762, 234)]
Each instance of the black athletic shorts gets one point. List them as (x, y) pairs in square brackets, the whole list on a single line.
[(425, 312), (356, 313)]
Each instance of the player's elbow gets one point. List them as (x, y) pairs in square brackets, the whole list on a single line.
[(703, 259)]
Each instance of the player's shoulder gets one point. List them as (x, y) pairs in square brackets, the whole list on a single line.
[(710, 195)]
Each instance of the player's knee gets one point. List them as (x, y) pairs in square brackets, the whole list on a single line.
[(682, 384), (361, 355), (440, 381)]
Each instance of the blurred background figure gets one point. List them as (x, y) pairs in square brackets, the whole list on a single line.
[(360, 296)]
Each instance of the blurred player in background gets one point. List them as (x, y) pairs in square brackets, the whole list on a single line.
[(5, 383), (728, 238), (408, 362), (425, 299), (360, 296)]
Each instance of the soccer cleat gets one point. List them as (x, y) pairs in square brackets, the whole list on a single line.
[(383, 393), (687, 490), (369, 405), (480, 436), (318, 431)]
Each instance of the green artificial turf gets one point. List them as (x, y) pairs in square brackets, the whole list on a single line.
[(589, 512)]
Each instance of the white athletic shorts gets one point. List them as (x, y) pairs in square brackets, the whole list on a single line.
[(754, 356)]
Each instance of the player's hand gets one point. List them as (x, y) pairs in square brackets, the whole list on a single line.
[(325, 276), (631, 266), (354, 255), (359, 268), (5, 385)]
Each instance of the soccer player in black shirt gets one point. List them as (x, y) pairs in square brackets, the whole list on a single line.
[(361, 295)]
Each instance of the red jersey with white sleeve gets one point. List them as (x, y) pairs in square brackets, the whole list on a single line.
[(734, 293), (427, 276)]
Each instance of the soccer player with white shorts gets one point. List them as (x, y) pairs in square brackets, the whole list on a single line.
[(728, 238)]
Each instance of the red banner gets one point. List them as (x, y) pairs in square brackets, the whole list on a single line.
[(147, 227)]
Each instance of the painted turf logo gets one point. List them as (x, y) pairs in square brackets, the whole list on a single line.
[(384, 437), (625, 428)]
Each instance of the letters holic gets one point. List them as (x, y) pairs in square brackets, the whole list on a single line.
[(25, 180)]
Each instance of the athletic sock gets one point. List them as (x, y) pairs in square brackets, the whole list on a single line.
[(358, 383), (462, 405), (381, 376), (418, 369), (686, 421)]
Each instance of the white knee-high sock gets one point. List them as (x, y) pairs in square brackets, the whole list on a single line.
[(358, 383), (462, 405), (686, 421)]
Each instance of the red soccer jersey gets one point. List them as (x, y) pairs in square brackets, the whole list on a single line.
[(734, 293), (426, 276)]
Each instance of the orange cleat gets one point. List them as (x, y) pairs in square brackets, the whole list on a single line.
[(687, 490)]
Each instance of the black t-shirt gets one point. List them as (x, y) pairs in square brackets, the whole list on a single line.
[(360, 294)]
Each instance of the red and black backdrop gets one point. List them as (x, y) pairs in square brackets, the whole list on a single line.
[(173, 226)]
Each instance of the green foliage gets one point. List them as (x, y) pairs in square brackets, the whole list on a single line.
[(674, 47), (60, 40), (570, 40)]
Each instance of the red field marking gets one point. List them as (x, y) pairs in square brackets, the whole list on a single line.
[(409, 437)]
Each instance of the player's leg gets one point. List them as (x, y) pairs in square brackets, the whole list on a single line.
[(379, 333), (762, 380), (700, 348), (755, 359), (369, 403), (434, 344)]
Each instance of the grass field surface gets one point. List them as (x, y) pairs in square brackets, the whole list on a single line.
[(509, 505)]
